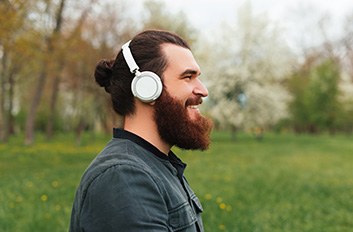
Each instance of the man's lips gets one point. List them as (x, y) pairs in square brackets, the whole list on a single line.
[(193, 102)]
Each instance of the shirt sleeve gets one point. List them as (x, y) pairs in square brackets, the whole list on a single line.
[(124, 198)]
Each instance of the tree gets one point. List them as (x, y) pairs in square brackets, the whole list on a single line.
[(315, 106), (60, 55), (158, 17), (60, 40), (323, 95), (15, 42), (318, 84), (346, 84), (247, 73), (48, 49)]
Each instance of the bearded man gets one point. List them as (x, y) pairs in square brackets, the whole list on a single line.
[(136, 183)]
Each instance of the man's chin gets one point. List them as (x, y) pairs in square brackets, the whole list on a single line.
[(183, 127), (194, 115)]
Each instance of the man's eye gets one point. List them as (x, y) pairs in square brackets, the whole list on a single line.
[(188, 77)]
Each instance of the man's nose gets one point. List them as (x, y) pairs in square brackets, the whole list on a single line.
[(200, 88)]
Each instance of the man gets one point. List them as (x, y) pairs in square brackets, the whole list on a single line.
[(136, 183)]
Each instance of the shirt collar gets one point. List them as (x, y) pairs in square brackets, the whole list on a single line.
[(171, 157), (123, 134)]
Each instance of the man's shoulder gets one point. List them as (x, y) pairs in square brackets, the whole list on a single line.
[(124, 154), (120, 163), (120, 152)]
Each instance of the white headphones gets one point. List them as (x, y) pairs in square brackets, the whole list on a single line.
[(146, 86)]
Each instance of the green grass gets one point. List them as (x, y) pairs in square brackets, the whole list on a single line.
[(282, 183)]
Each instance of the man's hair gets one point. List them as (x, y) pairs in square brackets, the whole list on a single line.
[(115, 75)]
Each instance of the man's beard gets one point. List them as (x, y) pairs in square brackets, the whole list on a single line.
[(176, 127)]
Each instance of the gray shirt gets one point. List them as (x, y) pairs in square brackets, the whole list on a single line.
[(132, 186)]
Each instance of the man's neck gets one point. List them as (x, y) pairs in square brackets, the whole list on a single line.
[(144, 125)]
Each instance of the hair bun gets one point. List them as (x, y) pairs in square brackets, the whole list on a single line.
[(103, 73)]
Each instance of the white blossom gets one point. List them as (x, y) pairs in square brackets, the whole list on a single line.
[(246, 72)]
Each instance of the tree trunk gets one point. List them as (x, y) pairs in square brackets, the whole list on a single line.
[(29, 134), (79, 129), (7, 98), (53, 103), (31, 117), (2, 99), (10, 118)]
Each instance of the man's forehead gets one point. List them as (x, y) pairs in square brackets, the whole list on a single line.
[(180, 57)]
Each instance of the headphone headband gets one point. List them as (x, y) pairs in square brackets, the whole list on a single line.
[(129, 58)]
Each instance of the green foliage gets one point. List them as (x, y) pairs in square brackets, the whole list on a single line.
[(315, 106), (345, 122), (42, 121), (158, 17), (283, 183), (323, 95)]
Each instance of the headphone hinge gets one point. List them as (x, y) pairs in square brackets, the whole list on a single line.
[(136, 72)]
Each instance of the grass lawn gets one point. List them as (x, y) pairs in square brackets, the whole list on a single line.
[(282, 183)]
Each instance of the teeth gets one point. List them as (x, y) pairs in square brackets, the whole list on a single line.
[(193, 107)]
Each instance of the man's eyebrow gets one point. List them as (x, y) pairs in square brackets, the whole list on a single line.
[(190, 71)]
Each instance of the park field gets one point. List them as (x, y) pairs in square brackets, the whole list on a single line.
[(284, 182)]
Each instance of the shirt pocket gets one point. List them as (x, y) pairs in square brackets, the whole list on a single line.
[(181, 217)]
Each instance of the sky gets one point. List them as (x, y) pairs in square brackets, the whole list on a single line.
[(294, 16), (211, 12)]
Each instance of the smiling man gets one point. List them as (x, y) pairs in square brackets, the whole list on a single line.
[(136, 183)]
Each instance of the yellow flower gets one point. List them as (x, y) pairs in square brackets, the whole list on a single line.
[(222, 227), (219, 200), (222, 206), (55, 183), (44, 198), (208, 196)]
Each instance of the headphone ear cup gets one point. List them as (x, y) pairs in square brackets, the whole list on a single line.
[(146, 86)]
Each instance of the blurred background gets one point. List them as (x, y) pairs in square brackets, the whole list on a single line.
[(280, 80), (269, 65)]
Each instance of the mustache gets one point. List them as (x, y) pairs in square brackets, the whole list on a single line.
[(194, 101)]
